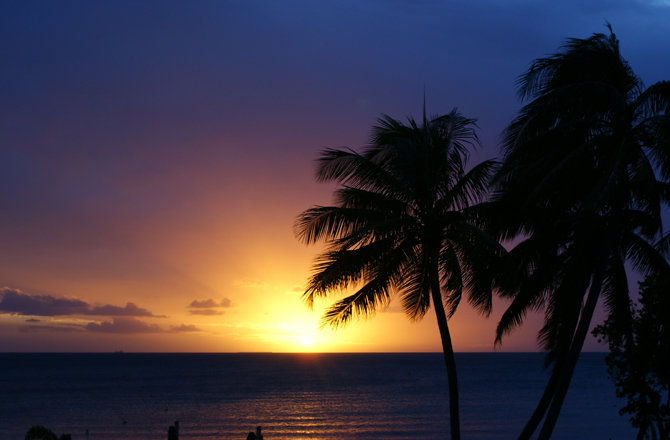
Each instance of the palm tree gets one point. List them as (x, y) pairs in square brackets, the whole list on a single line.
[(578, 188), (399, 227)]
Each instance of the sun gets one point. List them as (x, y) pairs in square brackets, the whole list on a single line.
[(307, 341)]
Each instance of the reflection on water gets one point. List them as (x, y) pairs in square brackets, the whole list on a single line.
[(315, 396)]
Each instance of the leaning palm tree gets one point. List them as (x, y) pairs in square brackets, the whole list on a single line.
[(399, 227), (578, 189)]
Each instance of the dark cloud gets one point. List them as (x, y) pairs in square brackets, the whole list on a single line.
[(210, 303), (186, 328), (124, 326), (16, 302), (129, 310), (32, 320), (49, 329), (206, 312)]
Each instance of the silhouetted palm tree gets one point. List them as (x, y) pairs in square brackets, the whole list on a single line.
[(399, 226), (578, 188)]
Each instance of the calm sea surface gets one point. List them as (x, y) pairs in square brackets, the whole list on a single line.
[(295, 396)]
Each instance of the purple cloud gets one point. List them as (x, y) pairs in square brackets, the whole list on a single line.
[(16, 302), (129, 310), (210, 303), (124, 326)]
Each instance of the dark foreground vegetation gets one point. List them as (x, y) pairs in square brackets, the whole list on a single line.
[(38, 432)]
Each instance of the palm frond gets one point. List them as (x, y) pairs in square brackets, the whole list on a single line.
[(328, 222), (337, 270), (365, 302), (643, 255), (414, 290), (469, 189), (655, 99)]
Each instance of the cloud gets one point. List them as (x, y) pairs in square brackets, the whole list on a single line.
[(207, 306), (129, 310), (208, 303), (16, 302), (32, 320), (206, 312), (124, 326), (186, 328), (49, 328)]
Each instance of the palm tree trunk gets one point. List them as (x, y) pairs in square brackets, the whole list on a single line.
[(448, 350), (582, 329), (641, 432), (575, 350), (542, 406), (549, 390)]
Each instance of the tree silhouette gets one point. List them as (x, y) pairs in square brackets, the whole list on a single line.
[(639, 359), (400, 227), (39, 432), (578, 189)]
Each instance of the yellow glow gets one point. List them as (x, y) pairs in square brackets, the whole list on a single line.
[(307, 341)]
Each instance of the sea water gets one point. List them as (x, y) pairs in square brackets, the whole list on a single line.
[(394, 396)]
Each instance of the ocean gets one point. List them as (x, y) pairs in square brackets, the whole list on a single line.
[(394, 396)]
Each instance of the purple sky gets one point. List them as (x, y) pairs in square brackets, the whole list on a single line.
[(155, 154)]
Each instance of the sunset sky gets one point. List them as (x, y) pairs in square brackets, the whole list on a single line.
[(154, 155)]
